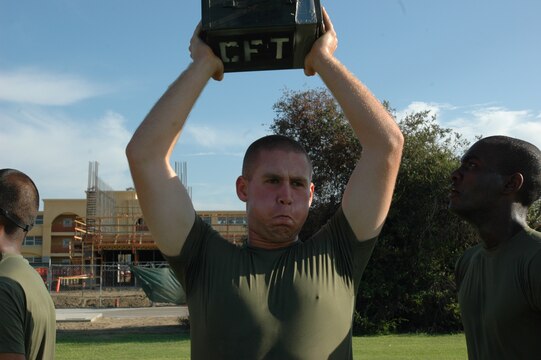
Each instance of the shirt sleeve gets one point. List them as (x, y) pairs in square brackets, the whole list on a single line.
[(186, 264), (12, 316)]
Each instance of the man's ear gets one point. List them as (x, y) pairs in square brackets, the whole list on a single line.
[(514, 183), (312, 188), (241, 186)]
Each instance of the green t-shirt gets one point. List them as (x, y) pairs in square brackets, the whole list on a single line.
[(499, 292), (291, 303), (27, 315)]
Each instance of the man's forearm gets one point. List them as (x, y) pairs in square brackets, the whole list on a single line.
[(368, 194), (371, 122), (165, 203), (157, 134)]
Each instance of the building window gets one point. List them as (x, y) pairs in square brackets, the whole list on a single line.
[(39, 220), (222, 220), (237, 220), (34, 259), (66, 243), (67, 222), (140, 225), (206, 219), (33, 240)]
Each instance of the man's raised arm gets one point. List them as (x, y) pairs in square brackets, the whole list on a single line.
[(368, 194), (166, 205)]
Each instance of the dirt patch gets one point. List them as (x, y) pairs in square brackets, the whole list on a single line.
[(106, 298), (113, 298)]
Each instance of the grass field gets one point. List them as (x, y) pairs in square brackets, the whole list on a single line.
[(177, 346)]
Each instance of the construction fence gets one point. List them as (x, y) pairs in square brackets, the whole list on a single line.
[(60, 277)]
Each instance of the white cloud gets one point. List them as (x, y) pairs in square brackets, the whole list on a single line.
[(212, 196), (482, 120), (33, 86), (218, 138), (55, 150), (487, 121), (418, 106), (215, 153)]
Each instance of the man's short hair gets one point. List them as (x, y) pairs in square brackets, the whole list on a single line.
[(270, 143), (19, 198), (515, 155)]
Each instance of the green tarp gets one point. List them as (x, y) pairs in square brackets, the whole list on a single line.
[(160, 285)]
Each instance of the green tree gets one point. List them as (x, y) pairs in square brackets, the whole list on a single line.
[(314, 119), (534, 215), (408, 284)]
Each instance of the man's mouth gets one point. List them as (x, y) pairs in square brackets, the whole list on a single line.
[(283, 218)]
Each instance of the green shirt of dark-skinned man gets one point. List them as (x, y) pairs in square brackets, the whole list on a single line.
[(499, 280)]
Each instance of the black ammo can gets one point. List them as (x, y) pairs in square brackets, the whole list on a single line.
[(261, 34)]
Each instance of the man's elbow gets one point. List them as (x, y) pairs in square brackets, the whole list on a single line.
[(135, 153), (396, 142), (130, 150)]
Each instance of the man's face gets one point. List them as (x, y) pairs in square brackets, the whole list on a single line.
[(278, 193), (476, 184)]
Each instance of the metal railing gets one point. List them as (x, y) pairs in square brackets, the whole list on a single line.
[(60, 277)]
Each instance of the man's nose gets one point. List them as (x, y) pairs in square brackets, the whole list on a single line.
[(284, 195)]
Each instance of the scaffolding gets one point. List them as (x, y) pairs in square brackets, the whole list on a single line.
[(114, 221)]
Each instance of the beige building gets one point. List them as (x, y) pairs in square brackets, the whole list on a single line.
[(106, 227)]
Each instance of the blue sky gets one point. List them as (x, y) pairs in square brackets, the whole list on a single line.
[(77, 77)]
